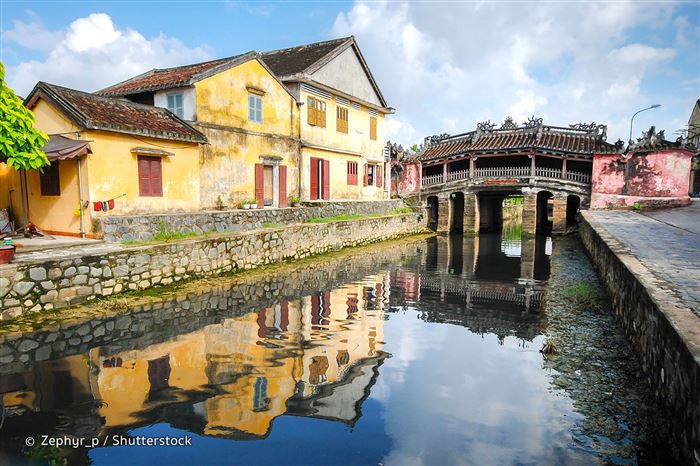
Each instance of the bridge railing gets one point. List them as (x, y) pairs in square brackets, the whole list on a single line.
[(501, 172), (497, 172), (580, 177)]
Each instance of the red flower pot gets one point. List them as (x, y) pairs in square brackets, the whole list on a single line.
[(6, 254)]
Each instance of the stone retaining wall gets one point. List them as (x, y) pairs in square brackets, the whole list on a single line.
[(662, 330), (144, 227), (36, 286), (143, 325)]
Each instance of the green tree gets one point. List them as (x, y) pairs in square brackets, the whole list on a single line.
[(415, 148), (20, 142)]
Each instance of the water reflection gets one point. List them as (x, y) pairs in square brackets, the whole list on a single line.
[(259, 359)]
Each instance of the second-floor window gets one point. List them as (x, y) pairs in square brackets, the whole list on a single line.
[(175, 105), (255, 108), (342, 119), (373, 128), (316, 115)]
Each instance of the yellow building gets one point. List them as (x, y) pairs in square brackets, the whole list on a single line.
[(249, 117), (106, 154), (342, 119)]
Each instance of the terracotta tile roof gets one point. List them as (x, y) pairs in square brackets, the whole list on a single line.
[(166, 78), (90, 111), (583, 140), (652, 141), (294, 60)]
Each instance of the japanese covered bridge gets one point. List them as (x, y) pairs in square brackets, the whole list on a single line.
[(466, 177)]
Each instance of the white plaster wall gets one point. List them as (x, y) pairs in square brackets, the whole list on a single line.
[(345, 73), (160, 99)]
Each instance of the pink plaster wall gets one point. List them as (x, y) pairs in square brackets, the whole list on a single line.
[(652, 176), (409, 183)]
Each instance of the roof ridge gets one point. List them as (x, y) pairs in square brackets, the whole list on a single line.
[(323, 42), (105, 97), (200, 63)]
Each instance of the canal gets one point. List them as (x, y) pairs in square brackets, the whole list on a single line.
[(416, 352)]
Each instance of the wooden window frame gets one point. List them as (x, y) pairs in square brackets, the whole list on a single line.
[(153, 182), (253, 98), (174, 109), (50, 180), (316, 112), (373, 128), (352, 173), (341, 124)]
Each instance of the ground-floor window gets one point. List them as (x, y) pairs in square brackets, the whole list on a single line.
[(50, 181), (352, 173), (320, 175), (150, 176), (373, 175)]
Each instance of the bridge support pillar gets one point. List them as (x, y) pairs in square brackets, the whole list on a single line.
[(443, 224), (528, 247), (559, 214), (529, 212), (471, 213)]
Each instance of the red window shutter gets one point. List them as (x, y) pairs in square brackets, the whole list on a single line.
[(314, 178), (366, 168), (379, 176), (144, 176), (326, 175), (283, 186), (156, 177), (259, 185)]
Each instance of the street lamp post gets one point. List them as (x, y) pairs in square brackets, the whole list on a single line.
[(635, 114)]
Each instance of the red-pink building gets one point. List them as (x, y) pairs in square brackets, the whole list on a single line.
[(652, 172)]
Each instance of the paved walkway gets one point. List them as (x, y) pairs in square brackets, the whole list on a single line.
[(667, 242)]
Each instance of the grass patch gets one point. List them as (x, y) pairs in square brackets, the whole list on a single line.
[(581, 293), (271, 225), (402, 210)]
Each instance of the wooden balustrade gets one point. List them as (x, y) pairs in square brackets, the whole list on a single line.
[(502, 172)]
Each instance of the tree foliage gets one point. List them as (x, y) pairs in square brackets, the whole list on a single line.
[(20, 142)]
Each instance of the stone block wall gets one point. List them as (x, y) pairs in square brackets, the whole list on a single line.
[(36, 286), (661, 329), (144, 227)]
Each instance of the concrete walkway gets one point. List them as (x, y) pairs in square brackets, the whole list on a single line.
[(667, 242)]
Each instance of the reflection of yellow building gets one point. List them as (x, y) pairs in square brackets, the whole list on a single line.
[(245, 369)]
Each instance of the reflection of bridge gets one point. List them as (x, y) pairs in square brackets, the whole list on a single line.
[(466, 177), (523, 295)]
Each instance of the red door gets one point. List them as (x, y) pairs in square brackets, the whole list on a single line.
[(314, 178), (326, 177)]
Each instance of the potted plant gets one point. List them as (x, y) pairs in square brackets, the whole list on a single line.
[(250, 204), (296, 201)]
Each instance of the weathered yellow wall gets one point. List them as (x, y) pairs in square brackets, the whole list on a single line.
[(339, 187), (113, 170), (227, 163), (109, 171), (356, 140)]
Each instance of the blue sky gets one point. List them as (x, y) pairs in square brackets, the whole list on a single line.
[(443, 66)]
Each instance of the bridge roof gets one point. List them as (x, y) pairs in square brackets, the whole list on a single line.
[(580, 139)]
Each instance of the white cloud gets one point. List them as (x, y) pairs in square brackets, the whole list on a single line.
[(446, 66), (91, 53)]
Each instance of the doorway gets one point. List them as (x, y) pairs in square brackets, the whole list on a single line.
[(268, 183)]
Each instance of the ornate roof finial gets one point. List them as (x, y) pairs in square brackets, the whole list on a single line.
[(485, 126), (509, 124), (533, 122)]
